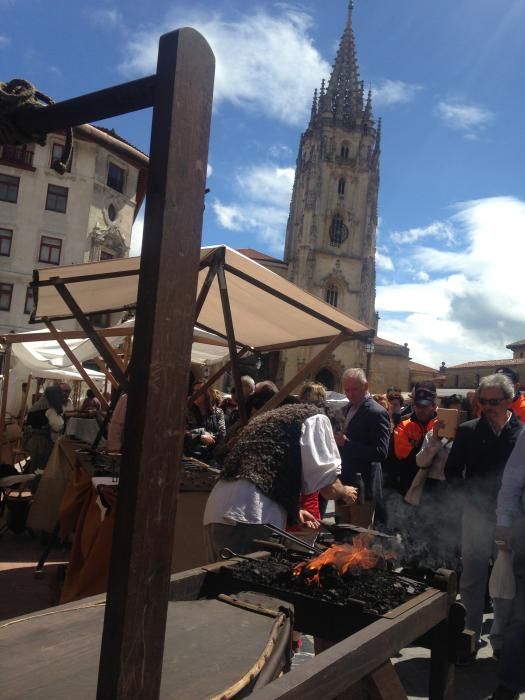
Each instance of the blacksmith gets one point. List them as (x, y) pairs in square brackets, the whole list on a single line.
[(279, 455)]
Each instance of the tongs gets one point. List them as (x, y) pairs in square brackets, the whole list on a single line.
[(297, 540)]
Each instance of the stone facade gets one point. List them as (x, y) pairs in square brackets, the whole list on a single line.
[(467, 375), (47, 219)]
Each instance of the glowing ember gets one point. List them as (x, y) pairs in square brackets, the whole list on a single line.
[(343, 558)]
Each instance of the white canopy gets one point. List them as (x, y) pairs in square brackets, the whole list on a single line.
[(268, 311)]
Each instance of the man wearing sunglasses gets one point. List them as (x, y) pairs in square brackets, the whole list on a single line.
[(477, 458)]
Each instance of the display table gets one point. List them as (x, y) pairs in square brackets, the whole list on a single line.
[(43, 515)]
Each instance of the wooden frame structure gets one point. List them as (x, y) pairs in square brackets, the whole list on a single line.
[(181, 96)]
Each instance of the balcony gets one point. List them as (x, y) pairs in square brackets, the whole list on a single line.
[(17, 156)]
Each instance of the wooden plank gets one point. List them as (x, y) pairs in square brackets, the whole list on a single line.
[(103, 368), (99, 342), (23, 405), (77, 364), (384, 684), (210, 276), (138, 588), (357, 656), (5, 386), (230, 331), (67, 335), (307, 371)]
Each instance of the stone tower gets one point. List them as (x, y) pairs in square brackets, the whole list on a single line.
[(331, 232)]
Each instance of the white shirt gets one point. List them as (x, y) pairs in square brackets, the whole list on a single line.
[(240, 501)]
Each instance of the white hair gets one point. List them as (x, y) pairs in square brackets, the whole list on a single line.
[(250, 381), (355, 373), (497, 381)]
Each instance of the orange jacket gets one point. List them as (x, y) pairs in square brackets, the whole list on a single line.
[(518, 406), (409, 434)]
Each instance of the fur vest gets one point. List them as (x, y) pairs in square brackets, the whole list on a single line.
[(268, 453)]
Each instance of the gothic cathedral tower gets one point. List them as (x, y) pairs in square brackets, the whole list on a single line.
[(331, 232)]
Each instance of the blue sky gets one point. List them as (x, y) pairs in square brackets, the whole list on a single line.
[(447, 78)]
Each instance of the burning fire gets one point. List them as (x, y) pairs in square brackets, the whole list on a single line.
[(343, 557)]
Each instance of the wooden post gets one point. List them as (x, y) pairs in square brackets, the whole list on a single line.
[(109, 377), (228, 322), (5, 386), (306, 371), (77, 364), (23, 406), (139, 577)]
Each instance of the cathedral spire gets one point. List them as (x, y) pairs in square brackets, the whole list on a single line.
[(344, 87)]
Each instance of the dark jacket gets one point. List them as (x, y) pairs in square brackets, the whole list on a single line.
[(479, 456), (368, 436)]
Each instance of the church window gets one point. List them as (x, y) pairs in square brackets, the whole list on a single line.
[(341, 186), (331, 295), (345, 151), (338, 231)]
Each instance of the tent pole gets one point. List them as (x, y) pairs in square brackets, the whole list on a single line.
[(5, 387), (209, 382), (78, 366), (230, 331), (212, 271), (305, 372)]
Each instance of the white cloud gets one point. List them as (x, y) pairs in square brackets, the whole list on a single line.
[(468, 118), (136, 236), (263, 198), (209, 170), (472, 306), (104, 18), (257, 59), (383, 261), (438, 229), (391, 92), (4, 41)]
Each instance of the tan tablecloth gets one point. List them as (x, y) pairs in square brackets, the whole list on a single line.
[(43, 515)]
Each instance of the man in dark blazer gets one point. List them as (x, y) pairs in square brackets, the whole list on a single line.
[(363, 444)]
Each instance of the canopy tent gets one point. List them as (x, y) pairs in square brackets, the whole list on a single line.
[(268, 312)]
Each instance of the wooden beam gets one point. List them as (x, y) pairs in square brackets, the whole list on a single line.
[(138, 586), (212, 271), (5, 386), (230, 330), (99, 342), (77, 364), (23, 406), (357, 656), (214, 377), (103, 368), (10, 338), (306, 372)]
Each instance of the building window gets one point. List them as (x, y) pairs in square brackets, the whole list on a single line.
[(56, 198), (50, 249), (338, 231), (331, 295), (57, 152), (29, 303), (115, 177), (6, 238), (9, 188), (345, 151), (341, 186), (18, 155), (6, 294)]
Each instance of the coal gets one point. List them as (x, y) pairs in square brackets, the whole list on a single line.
[(377, 590)]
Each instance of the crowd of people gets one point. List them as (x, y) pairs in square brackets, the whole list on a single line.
[(456, 499)]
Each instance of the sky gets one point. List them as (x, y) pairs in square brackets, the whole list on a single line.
[(447, 81)]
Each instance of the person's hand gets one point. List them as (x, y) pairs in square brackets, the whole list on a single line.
[(503, 537), (207, 439), (435, 430), (339, 439), (350, 495), (306, 519)]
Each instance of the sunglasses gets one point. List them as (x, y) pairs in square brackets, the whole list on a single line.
[(490, 402)]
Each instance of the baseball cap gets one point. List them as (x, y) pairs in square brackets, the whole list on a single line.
[(508, 372), (424, 397)]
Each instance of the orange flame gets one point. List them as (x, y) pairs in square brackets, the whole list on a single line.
[(343, 557)]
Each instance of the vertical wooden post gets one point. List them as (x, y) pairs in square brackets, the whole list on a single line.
[(230, 332), (5, 385), (138, 587)]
